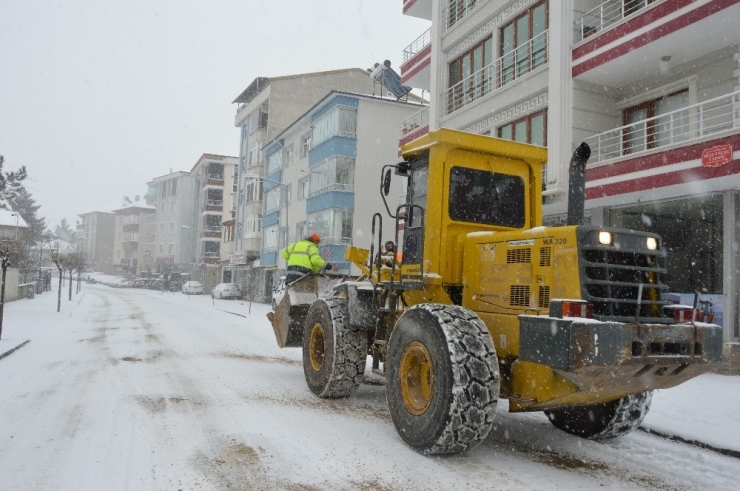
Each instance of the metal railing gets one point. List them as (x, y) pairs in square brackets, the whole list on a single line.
[(332, 187), (513, 65), (214, 202), (604, 15), (457, 9), (718, 115), (417, 45), (211, 254), (212, 228), (216, 177), (417, 120)]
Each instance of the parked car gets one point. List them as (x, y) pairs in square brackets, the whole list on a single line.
[(192, 288), (278, 293), (226, 290)]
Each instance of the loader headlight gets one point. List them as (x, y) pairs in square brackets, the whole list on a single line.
[(605, 238), (652, 243)]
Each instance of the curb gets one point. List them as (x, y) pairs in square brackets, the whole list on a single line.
[(19, 346)]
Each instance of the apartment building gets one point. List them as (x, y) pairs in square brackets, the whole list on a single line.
[(265, 108), (172, 196), (212, 179), (653, 86), (311, 171), (95, 236), (133, 247)]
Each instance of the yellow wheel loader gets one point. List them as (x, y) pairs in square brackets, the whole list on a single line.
[(485, 302)]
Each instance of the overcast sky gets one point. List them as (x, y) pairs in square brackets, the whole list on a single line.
[(99, 97)]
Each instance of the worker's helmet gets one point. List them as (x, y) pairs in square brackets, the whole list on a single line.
[(315, 237)]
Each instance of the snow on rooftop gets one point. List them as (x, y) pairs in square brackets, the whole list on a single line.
[(10, 218)]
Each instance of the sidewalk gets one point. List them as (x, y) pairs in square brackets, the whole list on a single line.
[(704, 410)]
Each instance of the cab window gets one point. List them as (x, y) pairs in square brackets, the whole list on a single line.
[(485, 197)]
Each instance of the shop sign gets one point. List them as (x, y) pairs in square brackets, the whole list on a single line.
[(716, 156), (238, 259)]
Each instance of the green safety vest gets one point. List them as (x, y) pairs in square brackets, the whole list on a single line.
[(305, 254)]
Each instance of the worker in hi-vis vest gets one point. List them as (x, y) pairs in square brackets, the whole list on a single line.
[(304, 258)]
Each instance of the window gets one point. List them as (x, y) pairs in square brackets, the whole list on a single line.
[(255, 154), (523, 46), (335, 173), (172, 226), (274, 162), (467, 79), (161, 248), (339, 121), (486, 197), (304, 187), (258, 119), (530, 129), (333, 225), (288, 157), (173, 187), (161, 227), (171, 249), (305, 145), (272, 200), (254, 190), (173, 205), (657, 122), (162, 207), (163, 189), (270, 238), (252, 226), (301, 230)]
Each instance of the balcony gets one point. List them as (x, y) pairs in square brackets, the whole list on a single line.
[(503, 71), (619, 42), (457, 10), (421, 9), (347, 188), (213, 205), (603, 16), (414, 126), (214, 181), (416, 65), (709, 119)]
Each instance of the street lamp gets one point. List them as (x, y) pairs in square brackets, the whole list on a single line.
[(284, 197), (17, 216)]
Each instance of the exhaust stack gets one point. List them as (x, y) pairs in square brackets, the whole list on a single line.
[(577, 184)]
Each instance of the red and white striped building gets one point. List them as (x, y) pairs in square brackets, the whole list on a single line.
[(653, 86)]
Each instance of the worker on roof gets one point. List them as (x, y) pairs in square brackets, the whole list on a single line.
[(304, 258)]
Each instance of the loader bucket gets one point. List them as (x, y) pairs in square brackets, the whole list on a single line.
[(287, 320)]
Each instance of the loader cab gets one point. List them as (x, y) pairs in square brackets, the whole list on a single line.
[(460, 183)]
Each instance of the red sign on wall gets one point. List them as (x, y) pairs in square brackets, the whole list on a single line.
[(716, 156)]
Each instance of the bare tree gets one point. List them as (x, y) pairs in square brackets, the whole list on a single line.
[(60, 253), (75, 262)]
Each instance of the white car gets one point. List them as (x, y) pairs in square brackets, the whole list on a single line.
[(192, 288), (278, 293), (226, 290)]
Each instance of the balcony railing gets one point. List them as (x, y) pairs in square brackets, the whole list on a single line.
[(332, 187), (417, 120), (211, 254), (457, 9), (214, 202), (417, 45), (604, 15), (513, 65), (216, 177), (712, 117), (212, 228)]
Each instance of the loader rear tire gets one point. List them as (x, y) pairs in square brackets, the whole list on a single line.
[(442, 379), (333, 355), (603, 421)]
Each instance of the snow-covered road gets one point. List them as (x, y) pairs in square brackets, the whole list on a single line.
[(132, 389)]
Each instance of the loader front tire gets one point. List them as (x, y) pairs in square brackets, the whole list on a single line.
[(442, 379), (333, 355), (603, 421)]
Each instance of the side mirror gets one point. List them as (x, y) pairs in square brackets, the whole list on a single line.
[(387, 182)]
